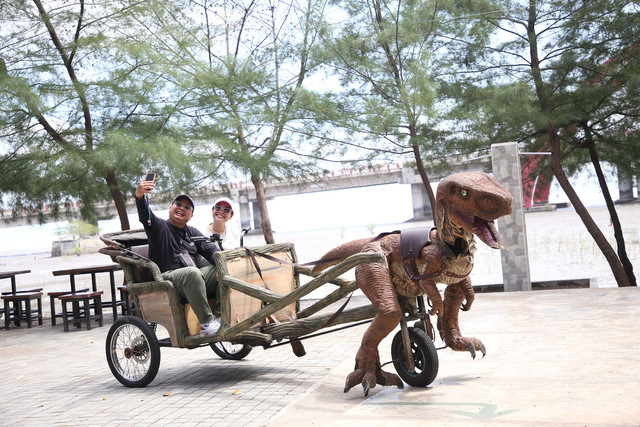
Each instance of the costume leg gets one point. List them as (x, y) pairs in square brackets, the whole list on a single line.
[(375, 282), (448, 324)]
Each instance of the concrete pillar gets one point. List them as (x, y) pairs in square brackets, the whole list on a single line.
[(515, 257), (421, 202), (257, 218), (625, 188), (245, 215)]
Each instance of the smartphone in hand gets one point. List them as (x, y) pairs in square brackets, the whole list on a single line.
[(151, 177)]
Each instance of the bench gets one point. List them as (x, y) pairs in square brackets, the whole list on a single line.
[(85, 298), (17, 310), (52, 298), (17, 313)]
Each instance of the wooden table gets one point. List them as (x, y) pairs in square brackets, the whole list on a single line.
[(93, 271), (12, 275)]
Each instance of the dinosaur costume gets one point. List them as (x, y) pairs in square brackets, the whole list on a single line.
[(466, 205)]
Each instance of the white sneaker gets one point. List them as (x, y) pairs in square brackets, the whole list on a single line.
[(211, 327)]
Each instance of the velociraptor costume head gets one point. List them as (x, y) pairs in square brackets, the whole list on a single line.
[(468, 203)]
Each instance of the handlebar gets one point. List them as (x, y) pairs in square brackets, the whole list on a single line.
[(214, 238)]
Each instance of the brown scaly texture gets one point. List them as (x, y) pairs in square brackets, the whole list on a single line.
[(466, 206)]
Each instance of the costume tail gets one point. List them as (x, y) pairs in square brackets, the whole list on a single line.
[(339, 253)]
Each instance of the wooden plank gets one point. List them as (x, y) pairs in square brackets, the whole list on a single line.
[(156, 308), (277, 277), (193, 324), (321, 279)]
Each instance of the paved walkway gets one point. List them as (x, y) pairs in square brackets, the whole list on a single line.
[(561, 357)]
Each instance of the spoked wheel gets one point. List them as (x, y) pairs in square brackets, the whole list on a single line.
[(133, 352), (425, 357), (229, 351)]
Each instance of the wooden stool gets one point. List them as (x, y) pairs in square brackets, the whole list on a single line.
[(84, 298), (16, 302), (17, 313), (127, 303), (52, 299), (25, 290)]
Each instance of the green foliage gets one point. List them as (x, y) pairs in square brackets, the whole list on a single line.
[(201, 91), (583, 78), (394, 58), (85, 111)]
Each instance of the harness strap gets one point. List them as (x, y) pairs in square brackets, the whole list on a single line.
[(412, 240), (412, 270), (381, 235)]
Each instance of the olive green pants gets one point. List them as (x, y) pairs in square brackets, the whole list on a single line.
[(196, 285)]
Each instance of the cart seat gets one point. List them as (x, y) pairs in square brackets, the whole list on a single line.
[(141, 274)]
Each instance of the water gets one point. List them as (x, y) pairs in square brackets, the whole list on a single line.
[(340, 209)]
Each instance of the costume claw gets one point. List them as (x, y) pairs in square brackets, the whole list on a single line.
[(366, 384), (353, 379), (472, 350), (387, 378)]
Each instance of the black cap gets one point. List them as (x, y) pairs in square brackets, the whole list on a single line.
[(184, 196)]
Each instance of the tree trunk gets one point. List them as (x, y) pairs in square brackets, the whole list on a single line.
[(116, 195), (267, 232), (587, 220), (615, 221), (425, 179), (556, 155)]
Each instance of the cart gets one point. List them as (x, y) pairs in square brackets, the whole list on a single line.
[(260, 290)]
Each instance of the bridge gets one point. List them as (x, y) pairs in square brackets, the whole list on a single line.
[(245, 195)]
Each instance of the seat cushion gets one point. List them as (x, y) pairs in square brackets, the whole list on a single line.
[(141, 274)]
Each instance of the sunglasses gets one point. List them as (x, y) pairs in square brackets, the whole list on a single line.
[(220, 208), (183, 206)]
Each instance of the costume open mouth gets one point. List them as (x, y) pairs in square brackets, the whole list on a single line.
[(484, 229)]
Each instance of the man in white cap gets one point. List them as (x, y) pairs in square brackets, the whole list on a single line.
[(189, 265)]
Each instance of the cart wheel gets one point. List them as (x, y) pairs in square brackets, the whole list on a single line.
[(425, 326), (425, 356), (133, 352), (420, 324), (229, 351)]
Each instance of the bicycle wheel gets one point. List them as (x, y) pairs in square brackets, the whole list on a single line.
[(425, 357), (229, 351), (133, 352)]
